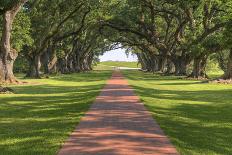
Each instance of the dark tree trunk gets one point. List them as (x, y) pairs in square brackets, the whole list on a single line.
[(199, 67), (228, 73), (62, 65), (90, 61), (34, 67), (170, 67), (181, 63), (141, 60), (45, 62), (70, 64), (162, 63), (49, 61), (77, 62)]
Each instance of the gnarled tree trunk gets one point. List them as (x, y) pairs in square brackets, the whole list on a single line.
[(8, 55)]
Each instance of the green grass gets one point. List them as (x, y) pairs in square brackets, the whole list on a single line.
[(120, 64), (101, 67), (38, 118), (196, 116)]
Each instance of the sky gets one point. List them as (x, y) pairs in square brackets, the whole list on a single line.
[(117, 55)]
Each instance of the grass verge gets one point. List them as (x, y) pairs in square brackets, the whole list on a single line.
[(196, 116), (38, 118)]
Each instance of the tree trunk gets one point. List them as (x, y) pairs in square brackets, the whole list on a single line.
[(142, 61), (45, 62), (199, 67), (49, 60), (34, 67), (170, 67), (181, 64), (8, 55), (6, 67), (63, 65), (228, 73), (77, 62), (162, 64)]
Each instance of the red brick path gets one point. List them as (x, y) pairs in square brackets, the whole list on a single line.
[(117, 124)]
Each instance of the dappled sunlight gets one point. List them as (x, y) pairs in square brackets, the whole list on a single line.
[(44, 115), (196, 116)]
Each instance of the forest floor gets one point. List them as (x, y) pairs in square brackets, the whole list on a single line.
[(196, 116), (37, 119)]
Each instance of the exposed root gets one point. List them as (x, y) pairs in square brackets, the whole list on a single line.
[(221, 81), (6, 90)]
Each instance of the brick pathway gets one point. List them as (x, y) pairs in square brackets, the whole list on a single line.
[(117, 124)]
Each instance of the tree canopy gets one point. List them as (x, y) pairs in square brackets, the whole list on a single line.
[(168, 36)]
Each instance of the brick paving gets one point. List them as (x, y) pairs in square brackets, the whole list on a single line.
[(117, 124)]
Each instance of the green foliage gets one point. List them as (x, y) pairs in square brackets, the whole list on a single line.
[(227, 35), (6, 5), (21, 64), (21, 33)]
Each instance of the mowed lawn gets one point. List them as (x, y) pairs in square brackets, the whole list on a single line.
[(38, 118), (119, 64), (196, 116)]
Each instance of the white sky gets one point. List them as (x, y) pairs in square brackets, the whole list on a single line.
[(117, 55)]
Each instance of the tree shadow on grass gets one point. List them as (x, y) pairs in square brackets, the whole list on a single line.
[(37, 119), (211, 96), (200, 127), (92, 76), (51, 89), (182, 83), (141, 76), (41, 121)]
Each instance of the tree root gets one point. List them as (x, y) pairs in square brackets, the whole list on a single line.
[(221, 81), (6, 90)]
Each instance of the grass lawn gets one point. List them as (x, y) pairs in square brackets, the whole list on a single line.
[(119, 64), (38, 118), (196, 116)]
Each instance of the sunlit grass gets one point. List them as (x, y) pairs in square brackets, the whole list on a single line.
[(119, 64), (38, 118), (196, 116)]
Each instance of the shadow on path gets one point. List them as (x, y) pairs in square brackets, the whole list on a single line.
[(117, 124)]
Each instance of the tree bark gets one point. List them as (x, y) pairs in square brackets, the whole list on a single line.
[(8, 55), (228, 73), (199, 67), (162, 63), (181, 63), (170, 67), (49, 60), (34, 67)]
